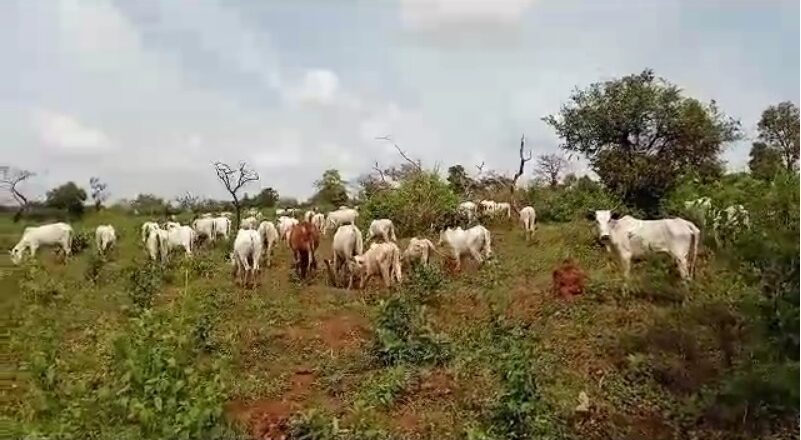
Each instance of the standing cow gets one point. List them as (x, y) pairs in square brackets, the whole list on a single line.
[(528, 220), (55, 234)]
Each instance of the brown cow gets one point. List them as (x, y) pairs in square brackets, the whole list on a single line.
[(304, 239)]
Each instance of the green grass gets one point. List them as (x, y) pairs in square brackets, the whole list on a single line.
[(285, 348)]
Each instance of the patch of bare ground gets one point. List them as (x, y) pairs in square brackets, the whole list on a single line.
[(428, 403)]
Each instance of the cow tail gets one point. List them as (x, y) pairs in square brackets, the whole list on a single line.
[(396, 262), (68, 250), (359, 243), (695, 237), (392, 232), (487, 242)]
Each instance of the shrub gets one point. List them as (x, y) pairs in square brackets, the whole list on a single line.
[(80, 241), (384, 388), (402, 335), (143, 281), (568, 203), (419, 202), (423, 282), (94, 267)]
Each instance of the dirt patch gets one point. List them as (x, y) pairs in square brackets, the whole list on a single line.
[(526, 303), (269, 418), (433, 388), (342, 331)]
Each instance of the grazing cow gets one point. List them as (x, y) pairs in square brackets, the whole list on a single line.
[(528, 220), (222, 226), (318, 220), (303, 241), (157, 245), (168, 239), (285, 225), (341, 217), (381, 258), (568, 280), (487, 206), (54, 234), (475, 241), (504, 209), (269, 235), (468, 209), (419, 249), (249, 223), (147, 227), (347, 244), (204, 227), (105, 237), (629, 237), (246, 255), (382, 228)]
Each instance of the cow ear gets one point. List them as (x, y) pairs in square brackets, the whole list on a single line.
[(615, 215), (590, 215)]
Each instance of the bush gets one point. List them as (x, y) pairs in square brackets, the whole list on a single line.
[(421, 201), (423, 282), (143, 281), (568, 203), (80, 241), (402, 335)]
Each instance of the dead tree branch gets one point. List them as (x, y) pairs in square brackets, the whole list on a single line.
[(10, 178), (521, 167), (415, 163), (234, 179)]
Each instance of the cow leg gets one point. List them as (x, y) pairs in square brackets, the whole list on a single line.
[(477, 256), (681, 264), (385, 275)]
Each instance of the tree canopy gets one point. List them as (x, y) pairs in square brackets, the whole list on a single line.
[(267, 198), (779, 130), (331, 189), (640, 134), (69, 197), (765, 162)]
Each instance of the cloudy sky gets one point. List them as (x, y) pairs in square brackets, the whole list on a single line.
[(146, 94)]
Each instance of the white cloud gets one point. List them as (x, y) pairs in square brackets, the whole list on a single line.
[(64, 132), (433, 14), (318, 86)]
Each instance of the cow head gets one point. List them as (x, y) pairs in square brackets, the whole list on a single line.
[(16, 254), (604, 220)]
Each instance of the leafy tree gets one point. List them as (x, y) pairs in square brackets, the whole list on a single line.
[(98, 191), (458, 179), (331, 189), (288, 202), (550, 167), (765, 161), (266, 198), (69, 197), (148, 204), (641, 135), (779, 128)]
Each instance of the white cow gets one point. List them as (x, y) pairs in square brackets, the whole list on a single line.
[(469, 209), (629, 237), (269, 236), (171, 224), (280, 211), (156, 244), (246, 255), (382, 228), (222, 226), (285, 225), (105, 237), (347, 244), (419, 249), (146, 228), (204, 227), (341, 217), (54, 234), (487, 206), (528, 220), (318, 220), (249, 223), (475, 241), (206, 215), (381, 258), (307, 216), (503, 208), (178, 237)]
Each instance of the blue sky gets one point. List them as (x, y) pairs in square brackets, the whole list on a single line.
[(147, 94)]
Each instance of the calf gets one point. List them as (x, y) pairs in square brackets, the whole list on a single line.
[(303, 241), (629, 237), (528, 220), (419, 249), (105, 237), (54, 234), (269, 235), (383, 258), (475, 241), (382, 228), (246, 255)]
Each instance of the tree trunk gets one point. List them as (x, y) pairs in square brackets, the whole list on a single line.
[(238, 209)]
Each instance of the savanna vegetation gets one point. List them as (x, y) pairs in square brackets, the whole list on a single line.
[(118, 347)]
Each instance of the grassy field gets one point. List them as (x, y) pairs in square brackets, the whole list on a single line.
[(100, 347)]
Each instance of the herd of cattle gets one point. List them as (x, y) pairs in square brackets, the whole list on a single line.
[(624, 237)]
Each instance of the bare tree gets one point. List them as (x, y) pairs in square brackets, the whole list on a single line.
[(234, 179), (550, 167), (521, 168), (416, 164), (10, 178), (187, 201), (98, 189)]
